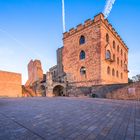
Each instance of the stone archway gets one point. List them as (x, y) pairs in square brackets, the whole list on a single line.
[(59, 90), (43, 90)]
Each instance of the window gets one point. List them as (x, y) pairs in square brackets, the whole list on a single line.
[(117, 74), (121, 63), (121, 75), (114, 58), (114, 44), (83, 71), (125, 67), (108, 54), (118, 48), (113, 72), (82, 40), (125, 56), (118, 60), (107, 38), (108, 70), (121, 52), (82, 55)]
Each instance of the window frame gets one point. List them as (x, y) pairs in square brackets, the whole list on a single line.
[(82, 40), (82, 55), (108, 55), (83, 71)]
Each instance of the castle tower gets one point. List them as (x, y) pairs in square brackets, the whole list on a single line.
[(95, 54)]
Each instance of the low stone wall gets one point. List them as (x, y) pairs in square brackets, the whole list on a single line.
[(78, 91), (102, 91), (130, 92), (99, 91), (10, 84)]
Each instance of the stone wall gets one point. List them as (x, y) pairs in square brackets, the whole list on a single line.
[(78, 91), (10, 84), (72, 49), (118, 59), (59, 62), (129, 92), (99, 91)]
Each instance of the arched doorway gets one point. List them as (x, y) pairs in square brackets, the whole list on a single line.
[(43, 90), (58, 90)]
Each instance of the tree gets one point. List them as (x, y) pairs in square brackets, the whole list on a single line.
[(130, 80), (136, 78)]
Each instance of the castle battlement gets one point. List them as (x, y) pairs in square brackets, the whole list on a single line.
[(89, 22), (110, 27)]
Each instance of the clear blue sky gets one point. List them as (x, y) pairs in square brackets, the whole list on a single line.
[(32, 29)]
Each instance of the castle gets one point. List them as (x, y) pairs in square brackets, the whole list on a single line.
[(93, 54)]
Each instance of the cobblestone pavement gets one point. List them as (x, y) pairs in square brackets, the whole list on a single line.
[(69, 119)]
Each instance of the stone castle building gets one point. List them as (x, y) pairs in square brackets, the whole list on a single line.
[(93, 54), (93, 59)]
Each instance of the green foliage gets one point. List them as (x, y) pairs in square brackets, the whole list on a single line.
[(136, 78)]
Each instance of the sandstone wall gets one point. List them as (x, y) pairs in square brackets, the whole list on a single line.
[(71, 54), (130, 92), (119, 57), (10, 84), (99, 91)]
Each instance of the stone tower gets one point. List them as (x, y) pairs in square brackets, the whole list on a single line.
[(35, 72), (94, 54)]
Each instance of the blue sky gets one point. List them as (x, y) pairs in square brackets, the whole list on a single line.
[(32, 29)]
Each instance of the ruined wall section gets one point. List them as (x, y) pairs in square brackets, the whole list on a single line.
[(35, 72)]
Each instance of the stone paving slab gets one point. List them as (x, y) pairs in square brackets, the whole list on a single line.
[(69, 119)]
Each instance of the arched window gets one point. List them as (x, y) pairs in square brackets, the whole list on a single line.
[(118, 61), (125, 67), (121, 75), (82, 40), (114, 44), (83, 71), (113, 72), (125, 56), (108, 54), (82, 55), (121, 63), (117, 74), (107, 38), (114, 58), (108, 70), (121, 52), (118, 48)]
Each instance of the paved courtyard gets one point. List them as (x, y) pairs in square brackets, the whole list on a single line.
[(69, 119)]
